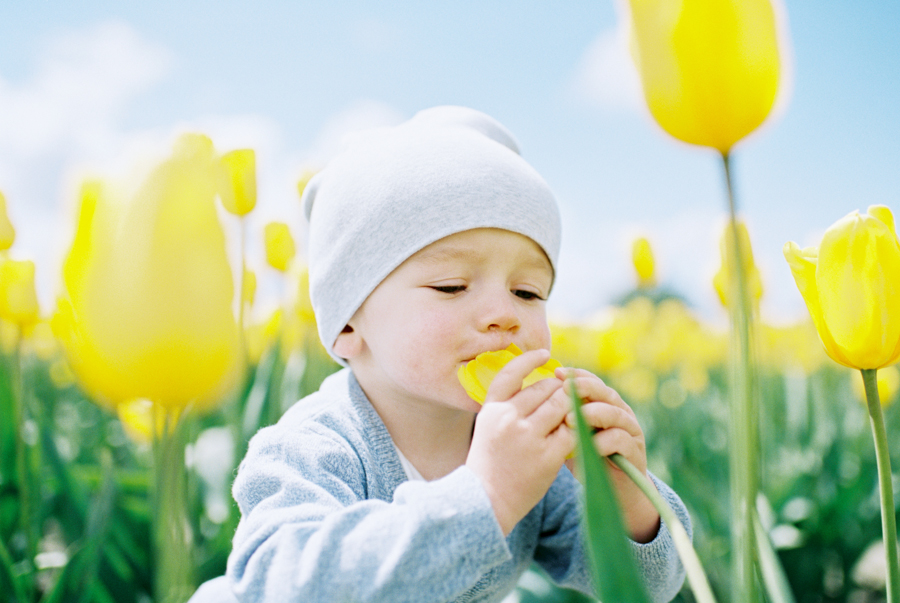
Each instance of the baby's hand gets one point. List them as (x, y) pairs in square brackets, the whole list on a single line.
[(520, 439), (616, 431)]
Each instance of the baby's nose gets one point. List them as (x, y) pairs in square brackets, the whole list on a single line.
[(501, 314)]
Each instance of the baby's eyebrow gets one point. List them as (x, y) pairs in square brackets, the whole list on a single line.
[(442, 254), (445, 253)]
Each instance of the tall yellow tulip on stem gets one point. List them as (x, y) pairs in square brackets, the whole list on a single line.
[(237, 190), (851, 286), (19, 307), (147, 313), (710, 74)]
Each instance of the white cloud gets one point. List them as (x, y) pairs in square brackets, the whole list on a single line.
[(82, 84), (605, 75), (65, 114), (64, 121), (361, 115)]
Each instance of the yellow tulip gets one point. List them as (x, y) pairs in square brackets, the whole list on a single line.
[(642, 258), (7, 232), (709, 68), (851, 286), (18, 300), (237, 181), (476, 376), (147, 306), (724, 280), (279, 245)]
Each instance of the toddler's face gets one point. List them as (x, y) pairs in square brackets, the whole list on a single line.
[(471, 292)]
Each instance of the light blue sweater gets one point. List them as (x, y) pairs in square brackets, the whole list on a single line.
[(329, 516)]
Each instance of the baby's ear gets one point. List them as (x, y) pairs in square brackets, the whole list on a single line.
[(348, 343)]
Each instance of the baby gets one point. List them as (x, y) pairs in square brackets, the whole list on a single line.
[(430, 243)]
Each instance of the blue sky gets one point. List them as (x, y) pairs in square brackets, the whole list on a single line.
[(89, 87)]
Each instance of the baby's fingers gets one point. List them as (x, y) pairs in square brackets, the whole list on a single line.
[(508, 380), (591, 388), (612, 441), (600, 415)]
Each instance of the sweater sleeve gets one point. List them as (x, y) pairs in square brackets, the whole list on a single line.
[(561, 552), (308, 532)]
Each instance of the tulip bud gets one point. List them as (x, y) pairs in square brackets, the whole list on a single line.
[(18, 300), (279, 245), (709, 69), (7, 232), (642, 258), (147, 307), (851, 286), (237, 181), (725, 279)]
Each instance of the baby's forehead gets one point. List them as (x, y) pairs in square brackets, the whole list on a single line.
[(480, 245)]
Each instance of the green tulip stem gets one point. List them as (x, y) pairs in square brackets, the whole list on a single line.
[(885, 485), (243, 283), (172, 536), (743, 443), (695, 574), (23, 456)]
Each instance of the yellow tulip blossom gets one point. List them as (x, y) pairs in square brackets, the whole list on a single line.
[(279, 245), (851, 286), (642, 258), (476, 376), (7, 232), (709, 68), (724, 280), (18, 300), (237, 181), (147, 307)]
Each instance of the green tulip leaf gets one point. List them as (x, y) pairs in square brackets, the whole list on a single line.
[(615, 574)]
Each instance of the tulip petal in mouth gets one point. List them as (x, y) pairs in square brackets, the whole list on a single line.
[(476, 375)]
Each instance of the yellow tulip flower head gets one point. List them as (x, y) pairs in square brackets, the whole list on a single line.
[(644, 265), (280, 248), (724, 280), (147, 306), (851, 286), (7, 232), (709, 68), (237, 181), (476, 376), (18, 300)]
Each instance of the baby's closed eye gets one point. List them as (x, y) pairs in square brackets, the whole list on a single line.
[(449, 288), (526, 294)]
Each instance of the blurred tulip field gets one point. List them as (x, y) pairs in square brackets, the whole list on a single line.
[(79, 469), (126, 407)]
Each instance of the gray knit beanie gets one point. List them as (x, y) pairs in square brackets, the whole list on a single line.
[(393, 191)]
